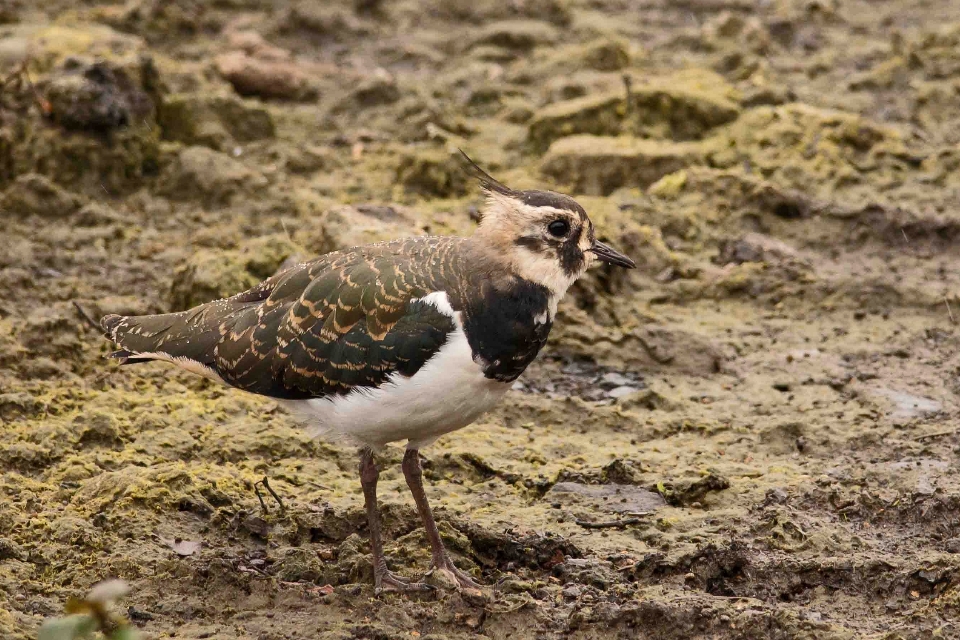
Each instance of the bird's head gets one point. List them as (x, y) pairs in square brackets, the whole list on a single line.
[(546, 237)]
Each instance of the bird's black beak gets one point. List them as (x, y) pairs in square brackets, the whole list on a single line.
[(611, 256)]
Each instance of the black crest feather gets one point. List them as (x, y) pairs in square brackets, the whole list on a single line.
[(488, 182)]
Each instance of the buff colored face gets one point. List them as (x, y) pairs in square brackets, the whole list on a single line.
[(548, 237)]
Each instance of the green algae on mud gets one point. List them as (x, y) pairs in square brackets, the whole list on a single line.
[(772, 393)]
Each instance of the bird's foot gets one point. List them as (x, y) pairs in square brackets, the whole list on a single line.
[(388, 581), (459, 577)]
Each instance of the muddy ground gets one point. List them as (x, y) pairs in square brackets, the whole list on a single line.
[(767, 407)]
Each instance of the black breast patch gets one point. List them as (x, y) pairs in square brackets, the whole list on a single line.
[(501, 328)]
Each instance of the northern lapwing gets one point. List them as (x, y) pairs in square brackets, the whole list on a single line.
[(395, 341)]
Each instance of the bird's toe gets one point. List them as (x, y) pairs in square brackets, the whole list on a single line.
[(389, 581)]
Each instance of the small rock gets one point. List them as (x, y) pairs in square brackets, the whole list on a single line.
[(777, 495), (952, 545), (572, 592), (622, 391), (256, 525), (183, 548), (613, 379), (265, 78), (620, 472), (207, 175)]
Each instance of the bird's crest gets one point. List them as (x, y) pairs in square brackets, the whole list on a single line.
[(487, 182)]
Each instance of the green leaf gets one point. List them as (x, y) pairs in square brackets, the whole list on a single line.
[(68, 628)]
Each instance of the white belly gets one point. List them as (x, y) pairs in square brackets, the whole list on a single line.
[(448, 393)]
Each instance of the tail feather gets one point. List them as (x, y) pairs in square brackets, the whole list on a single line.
[(187, 338), (182, 338)]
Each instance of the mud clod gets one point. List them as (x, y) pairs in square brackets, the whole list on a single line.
[(212, 177), (600, 165), (219, 121), (681, 107), (97, 97)]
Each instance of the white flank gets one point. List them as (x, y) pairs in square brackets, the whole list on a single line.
[(448, 393), (184, 363)]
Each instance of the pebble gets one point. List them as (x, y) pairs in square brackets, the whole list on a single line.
[(613, 379), (777, 495), (572, 592), (264, 78), (622, 391)]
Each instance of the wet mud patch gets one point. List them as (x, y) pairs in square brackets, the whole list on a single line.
[(556, 377)]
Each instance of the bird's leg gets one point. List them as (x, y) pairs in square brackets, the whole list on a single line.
[(413, 472), (384, 579)]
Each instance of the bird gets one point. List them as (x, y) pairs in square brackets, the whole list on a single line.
[(398, 341)]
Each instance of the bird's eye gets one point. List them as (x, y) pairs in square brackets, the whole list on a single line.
[(558, 228)]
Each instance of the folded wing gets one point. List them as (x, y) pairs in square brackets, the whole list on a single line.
[(346, 321)]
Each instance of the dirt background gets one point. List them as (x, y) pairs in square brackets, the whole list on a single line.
[(769, 403)]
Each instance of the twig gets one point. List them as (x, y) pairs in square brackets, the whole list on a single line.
[(949, 312), (263, 505), (611, 524), (266, 485), (86, 316), (937, 434)]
